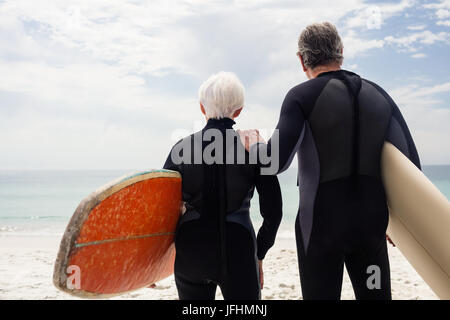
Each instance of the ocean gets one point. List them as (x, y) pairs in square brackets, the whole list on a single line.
[(40, 203)]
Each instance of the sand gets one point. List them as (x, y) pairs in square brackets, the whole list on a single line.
[(26, 268)]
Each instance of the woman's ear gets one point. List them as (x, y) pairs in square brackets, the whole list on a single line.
[(237, 113), (202, 109)]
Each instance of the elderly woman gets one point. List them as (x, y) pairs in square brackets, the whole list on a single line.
[(215, 241)]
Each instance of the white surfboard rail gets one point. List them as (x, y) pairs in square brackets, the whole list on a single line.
[(419, 219)]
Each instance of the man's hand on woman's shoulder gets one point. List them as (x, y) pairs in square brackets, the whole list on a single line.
[(250, 137)]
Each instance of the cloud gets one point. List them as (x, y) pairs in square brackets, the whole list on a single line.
[(443, 4), (415, 41), (271, 89), (412, 92), (84, 78), (416, 27), (418, 55), (427, 119), (443, 23), (165, 37), (138, 37), (373, 16), (367, 17), (114, 79), (441, 11), (85, 116), (354, 45)]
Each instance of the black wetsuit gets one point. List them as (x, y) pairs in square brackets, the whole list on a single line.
[(215, 240), (337, 124)]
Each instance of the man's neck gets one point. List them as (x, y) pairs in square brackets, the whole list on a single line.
[(313, 73)]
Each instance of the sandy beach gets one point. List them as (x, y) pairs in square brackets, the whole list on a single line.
[(26, 268)]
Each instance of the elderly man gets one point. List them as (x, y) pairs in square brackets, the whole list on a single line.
[(337, 123), (215, 241)]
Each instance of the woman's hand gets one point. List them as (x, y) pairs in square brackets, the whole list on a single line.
[(390, 241), (261, 274), (182, 208)]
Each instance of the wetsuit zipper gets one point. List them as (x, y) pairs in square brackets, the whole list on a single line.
[(223, 210), (354, 92)]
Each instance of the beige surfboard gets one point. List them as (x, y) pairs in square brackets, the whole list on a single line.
[(419, 222)]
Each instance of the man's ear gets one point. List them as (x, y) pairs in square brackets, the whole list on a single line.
[(202, 109), (237, 113), (301, 61)]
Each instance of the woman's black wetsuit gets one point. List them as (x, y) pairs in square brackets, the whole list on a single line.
[(337, 124), (215, 241)]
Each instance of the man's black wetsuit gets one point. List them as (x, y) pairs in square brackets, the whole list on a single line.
[(215, 240), (337, 124)]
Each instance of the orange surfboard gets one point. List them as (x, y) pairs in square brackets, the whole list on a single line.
[(120, 237)]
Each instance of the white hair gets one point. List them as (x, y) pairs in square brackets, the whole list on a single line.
[(221, 95)]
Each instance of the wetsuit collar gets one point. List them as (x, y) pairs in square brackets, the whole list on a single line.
[(351, 79), (335, 72), (226, 123)]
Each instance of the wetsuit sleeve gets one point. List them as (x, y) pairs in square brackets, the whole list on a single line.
[(169, 165), (287, 135), (398, 132), (270, 204), (412, 153)]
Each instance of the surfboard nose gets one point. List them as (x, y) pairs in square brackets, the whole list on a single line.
[(120, 238)]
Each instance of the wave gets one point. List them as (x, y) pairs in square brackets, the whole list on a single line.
[(12, 230), (8, 229), (32, 225), (34, 217)]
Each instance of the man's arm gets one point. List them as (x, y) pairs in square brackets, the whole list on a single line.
[(287, 135), (270, 204), (398, 133), (413, 155)]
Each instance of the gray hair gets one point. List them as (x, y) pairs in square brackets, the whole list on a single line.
[(221, 95), (320, 44)]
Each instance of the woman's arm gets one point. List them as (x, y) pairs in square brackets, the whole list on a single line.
[(169, 164), (270, 204)]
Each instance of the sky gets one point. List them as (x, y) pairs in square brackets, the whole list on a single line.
[(112, 84)]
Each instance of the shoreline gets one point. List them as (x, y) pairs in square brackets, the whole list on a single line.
[(27, 263)]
